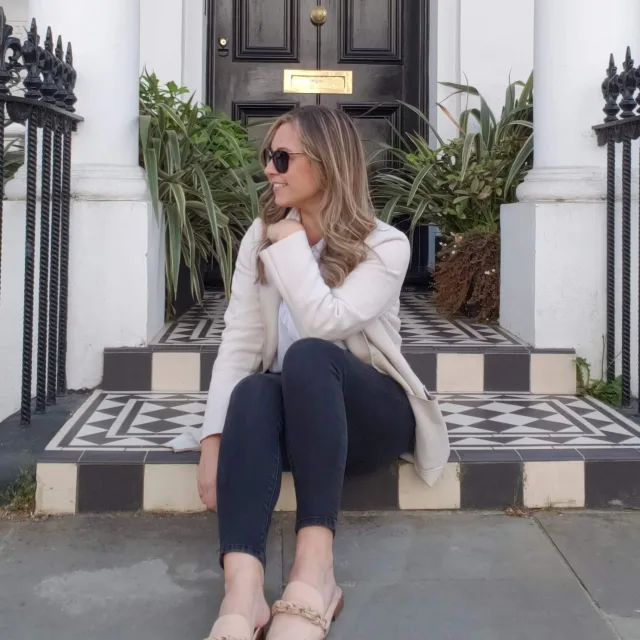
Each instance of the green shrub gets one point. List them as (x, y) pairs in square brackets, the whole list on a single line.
[(201, 170), (460, 185)]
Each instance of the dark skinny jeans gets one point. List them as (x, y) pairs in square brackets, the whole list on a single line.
[(325, 415)]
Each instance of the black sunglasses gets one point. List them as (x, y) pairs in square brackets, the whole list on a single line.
[(280, 159)]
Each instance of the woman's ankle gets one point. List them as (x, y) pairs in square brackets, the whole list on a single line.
[(314, 552), (242, 569), (244, 588), (245, 597)]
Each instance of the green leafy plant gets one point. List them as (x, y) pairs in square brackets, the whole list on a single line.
[(460, 185), (607, 392), (20, 496), (200, 166), (13, 157)]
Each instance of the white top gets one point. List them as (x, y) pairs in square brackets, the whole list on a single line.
[(287, 330)]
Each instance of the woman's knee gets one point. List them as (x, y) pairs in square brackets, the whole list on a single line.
[(308, 355), (253, 399)]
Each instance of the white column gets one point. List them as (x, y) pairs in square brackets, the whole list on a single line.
[(116, 259), (553, 242), (106, 48), (573, 40)]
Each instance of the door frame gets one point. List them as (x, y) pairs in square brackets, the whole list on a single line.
[(427, 60)]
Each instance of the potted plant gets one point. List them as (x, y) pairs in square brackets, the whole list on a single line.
[(201, 170), (459, 187)]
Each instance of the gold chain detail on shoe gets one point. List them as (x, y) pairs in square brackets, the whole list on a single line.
[(294, 609)]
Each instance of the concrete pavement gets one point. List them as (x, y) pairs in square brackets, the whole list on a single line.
[(435, 576)]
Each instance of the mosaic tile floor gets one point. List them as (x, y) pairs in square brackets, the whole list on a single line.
[(422, 326), (520, 422)]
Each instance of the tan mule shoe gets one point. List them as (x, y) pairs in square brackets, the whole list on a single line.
[(297, 615), (234, 627)]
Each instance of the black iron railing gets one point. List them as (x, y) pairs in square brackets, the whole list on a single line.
[(621, 126), (37, 89)]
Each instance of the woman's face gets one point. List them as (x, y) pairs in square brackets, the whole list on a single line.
[(298, 186)]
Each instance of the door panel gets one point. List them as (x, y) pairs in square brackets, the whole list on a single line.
[(380, 41), (266, 31), (263, 38), (370, 31), (375, 123), (259, 116)]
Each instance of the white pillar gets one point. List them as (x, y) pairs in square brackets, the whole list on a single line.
[(106, 47), (116, 260), (553, 292)]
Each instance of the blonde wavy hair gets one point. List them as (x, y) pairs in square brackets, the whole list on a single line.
[(330, 139)]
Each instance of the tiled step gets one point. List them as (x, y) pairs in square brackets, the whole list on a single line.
[(524, 450), (449, 355)]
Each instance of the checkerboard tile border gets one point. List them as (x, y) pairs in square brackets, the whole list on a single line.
[(464, 371), (93, 486)]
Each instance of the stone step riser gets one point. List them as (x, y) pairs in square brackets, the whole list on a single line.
[(517, 370), (83, 487)]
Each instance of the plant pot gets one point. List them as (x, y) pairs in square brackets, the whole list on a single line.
[(419, 272), (184, 298), (211, 275)]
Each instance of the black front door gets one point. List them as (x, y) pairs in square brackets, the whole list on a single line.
[(383, 43)]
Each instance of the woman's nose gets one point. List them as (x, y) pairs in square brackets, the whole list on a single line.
[(270, 169)]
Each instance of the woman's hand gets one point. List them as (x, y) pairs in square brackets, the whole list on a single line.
[(208, 471), (283, 229)]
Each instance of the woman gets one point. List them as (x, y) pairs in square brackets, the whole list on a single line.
[(309, 376)]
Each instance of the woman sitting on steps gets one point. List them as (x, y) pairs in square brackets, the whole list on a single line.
[(309, 376)]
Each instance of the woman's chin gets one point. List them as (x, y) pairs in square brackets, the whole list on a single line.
[(282, 200)]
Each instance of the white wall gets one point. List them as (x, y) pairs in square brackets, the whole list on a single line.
[(172, 41), (11, 307), (12, 288), (17, 13), (119, 306), (482, 42)]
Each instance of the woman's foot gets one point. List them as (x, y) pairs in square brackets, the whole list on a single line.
[(244, 595), (321, 579), (312, 582), (314, 561)]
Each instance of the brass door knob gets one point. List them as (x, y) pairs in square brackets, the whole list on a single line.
[(318, 15)]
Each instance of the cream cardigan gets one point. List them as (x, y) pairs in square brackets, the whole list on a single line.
[(361, 312)]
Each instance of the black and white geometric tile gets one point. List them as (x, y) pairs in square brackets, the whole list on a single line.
[(131, 422), (422, 325), (201, 325), (516, 422), (525, 421)]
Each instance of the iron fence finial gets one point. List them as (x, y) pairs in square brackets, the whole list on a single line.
[(628, 84), (31, 56), (611, 91), (5, 37), (71, 99), (48, 88), (61, 73)]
